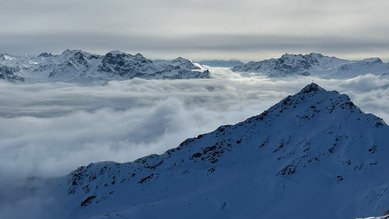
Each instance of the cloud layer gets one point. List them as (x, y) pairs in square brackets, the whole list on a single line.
[(50, 129)]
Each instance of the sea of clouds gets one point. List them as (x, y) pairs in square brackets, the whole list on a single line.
[(50, 129)]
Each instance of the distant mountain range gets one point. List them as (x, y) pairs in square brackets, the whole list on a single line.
[(314, 64), (312, 155), (80, 66)]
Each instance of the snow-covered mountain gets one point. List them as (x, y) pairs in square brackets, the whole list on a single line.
[(10, 73), (184, 63), (80, 66), (316, 65), (313, 155)]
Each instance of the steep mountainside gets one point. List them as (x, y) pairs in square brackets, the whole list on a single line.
[(316, 65), (313, 155), (80, 66)]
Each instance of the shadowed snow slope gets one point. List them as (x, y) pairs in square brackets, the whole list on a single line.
[(313, 155)]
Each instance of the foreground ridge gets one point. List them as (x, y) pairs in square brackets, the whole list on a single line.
[(313, 153)]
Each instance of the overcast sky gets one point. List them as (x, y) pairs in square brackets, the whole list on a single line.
[(197, 29)]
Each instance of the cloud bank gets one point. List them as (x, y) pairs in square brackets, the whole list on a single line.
[(47, 130), (50, 129)]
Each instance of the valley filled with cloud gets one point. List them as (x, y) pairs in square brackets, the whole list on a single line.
[(50, 129)]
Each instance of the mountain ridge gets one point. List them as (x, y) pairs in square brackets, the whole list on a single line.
[(312, 147), (314, 64), (83, 67)]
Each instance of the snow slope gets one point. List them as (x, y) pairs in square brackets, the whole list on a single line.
[(313, 155), (80, 66), (316, 65)]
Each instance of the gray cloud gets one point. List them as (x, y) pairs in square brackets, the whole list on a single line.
[(245, 29), (200, 46), (50, 129)]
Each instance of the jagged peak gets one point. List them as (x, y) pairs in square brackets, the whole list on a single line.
[(74, 54), (303, 56), (314, 100), (45, 54), (124, 54), (315, 54), (312, 88), (115, 52), (288, 55), (313, 92), (138, 54), (181, 59)]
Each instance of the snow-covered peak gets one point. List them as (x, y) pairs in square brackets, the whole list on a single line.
[(139, 56), (67, 54), (124, 64), (316, 55), (313, 153), (312, 57), (311, 88), (6, 57), (184, 63), (314, 103), (45, 55)]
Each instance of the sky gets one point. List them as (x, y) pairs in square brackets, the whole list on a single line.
[(197, 29)]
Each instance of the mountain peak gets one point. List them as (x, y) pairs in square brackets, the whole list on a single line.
[(315, 140), (45, 54), (72, 51), (140, 56), (313, 145), (315, 104), (303, 56), (184, 63), (311, 88)]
